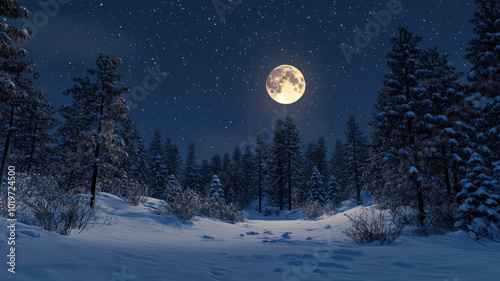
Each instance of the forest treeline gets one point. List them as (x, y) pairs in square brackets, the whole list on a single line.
[(433, 152)]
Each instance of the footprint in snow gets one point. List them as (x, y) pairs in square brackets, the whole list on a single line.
[(207, 237), (403, 264), (252, 233)]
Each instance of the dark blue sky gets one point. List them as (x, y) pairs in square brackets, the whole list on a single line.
[(215, 92)]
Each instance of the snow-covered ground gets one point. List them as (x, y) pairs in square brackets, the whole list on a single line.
[(145, 246)]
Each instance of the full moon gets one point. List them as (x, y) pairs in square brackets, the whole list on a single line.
[(285, 84)]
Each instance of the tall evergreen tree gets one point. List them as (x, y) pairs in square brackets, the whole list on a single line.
[(338, 163), (136, 165), (333, 191), (206, 174), (103, 109), (216, 164), (261, 163), (191, 174), (286, 162), (395, 158), (357, 154), (235, 188), (248, 173), (317, 188), (158, 167), (172, 157), (16, 74)]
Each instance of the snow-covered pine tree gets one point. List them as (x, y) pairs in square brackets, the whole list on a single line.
[(248, 172), (484, 54), (357, 155), (173, 190), (395, 164), (317, 188), (33, 143), (225, 175), (13, 68), (93, 121), (191, 173), (261, 166), (443, 107), (286, 162), (215, 190), (333, 191), (235, 188), (157, 167), (172, 157), (479, 214), (216, 164), (206, 174), (316, 155), (136, 166), (338, 162)]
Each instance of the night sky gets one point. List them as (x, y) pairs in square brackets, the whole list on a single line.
[(215, 91)]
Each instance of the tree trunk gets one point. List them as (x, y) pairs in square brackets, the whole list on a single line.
[(456, 184), (289, 181), (93, 188), (446, 172), (33, 146), (7, 143), (260, 189)]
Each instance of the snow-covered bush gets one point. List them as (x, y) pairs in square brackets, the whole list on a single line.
[(271, 211), (40, 202), (216, 209), (370, 225), (313, 209), (185, 206), (134, 192)]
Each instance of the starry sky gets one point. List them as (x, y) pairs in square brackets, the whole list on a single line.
[(215, 68)]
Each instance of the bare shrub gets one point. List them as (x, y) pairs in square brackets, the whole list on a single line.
[(40, 202), (314, 209), (134, 192), (185, 206), (370, 225), (216, 209)]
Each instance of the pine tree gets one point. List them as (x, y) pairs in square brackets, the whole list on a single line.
[(172, 157), (158, 168), (357, 154), (333, 191), (216, 164), (286, 162), (225, 175), (99, 109), (235, 188), (395, 161), (248, 177), (206, 173), (479, 214), (14, 70), (317, 188), (136, 165), (338, 167), (33, 142), (316, 156), (215, 190), (191, 175), (261, 163), (173, 191)]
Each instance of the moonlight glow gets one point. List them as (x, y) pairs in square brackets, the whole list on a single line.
[(285, 84)]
